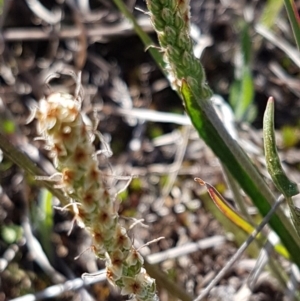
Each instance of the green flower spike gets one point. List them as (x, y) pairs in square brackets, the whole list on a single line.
[(171, 19)]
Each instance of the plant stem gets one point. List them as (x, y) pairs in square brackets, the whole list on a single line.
[(142, 35), (294, 19), (21, 160)]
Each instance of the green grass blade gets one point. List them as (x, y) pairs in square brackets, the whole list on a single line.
[(20, 159), (294, 19), (150, 45), (215, 141), (242, 93), (280, 179), (45, 221), (242, 90)]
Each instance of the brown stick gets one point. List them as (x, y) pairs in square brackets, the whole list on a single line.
[(101, 32)]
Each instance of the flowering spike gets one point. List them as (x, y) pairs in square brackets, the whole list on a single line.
[(171, 20), (68, 139)]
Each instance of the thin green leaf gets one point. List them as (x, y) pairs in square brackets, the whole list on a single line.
[(294, 19), (246, 94), (20, 159), (44, 221), (280, 179), (246, 44), (242, 89), (150, 45), (216, 142), (234, 93)]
